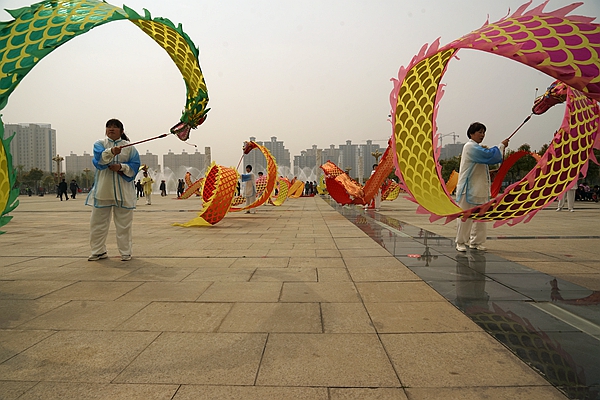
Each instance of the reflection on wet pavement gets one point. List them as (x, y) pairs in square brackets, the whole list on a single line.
[(551, 324)]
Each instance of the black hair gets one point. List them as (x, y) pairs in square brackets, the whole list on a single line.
[(375, 166), (249, 166), (475, 127), (118, 124)]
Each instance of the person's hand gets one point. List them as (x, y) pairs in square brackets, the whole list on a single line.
[(116, 150), (505, 142), (114, 167)]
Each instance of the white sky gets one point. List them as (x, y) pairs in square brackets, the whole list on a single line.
[(309, 72)]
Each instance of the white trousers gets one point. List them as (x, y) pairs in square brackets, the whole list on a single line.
[(377, 200), (570, 200), (100, 222), (148, 197), (470, 233)]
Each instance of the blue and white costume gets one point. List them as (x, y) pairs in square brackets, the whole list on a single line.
[(473, 188), (113, 193)]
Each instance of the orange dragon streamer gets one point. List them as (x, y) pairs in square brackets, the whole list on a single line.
[(344, 190), (283, 186), (563, 46), (296, 189), (192, 187), (271, 178), (218, 191), (390, 192)]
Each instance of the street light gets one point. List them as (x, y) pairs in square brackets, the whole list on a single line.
[(87, 178), (58, 159), (377, 154)]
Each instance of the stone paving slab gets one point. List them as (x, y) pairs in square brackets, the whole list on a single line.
[(293, 302)]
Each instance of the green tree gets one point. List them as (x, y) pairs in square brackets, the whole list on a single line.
[(449, 165), (523, 164), (33, 177), (593, 173), (48, 182)]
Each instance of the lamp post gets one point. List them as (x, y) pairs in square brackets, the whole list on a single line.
[(58, 160), (87, 177), (377, 154)]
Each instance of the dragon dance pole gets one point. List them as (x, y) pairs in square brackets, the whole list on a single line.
[(238, 166), (146, 140), (526, 119), (520, 126)]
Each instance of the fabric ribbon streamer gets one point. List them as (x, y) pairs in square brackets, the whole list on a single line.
[(271, 179), (193, 188), (345, 190), (283, 186), (39, 29), (218, 191), (9, 192), (563, 46)]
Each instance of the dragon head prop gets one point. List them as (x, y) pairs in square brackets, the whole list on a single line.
[(555, 94)]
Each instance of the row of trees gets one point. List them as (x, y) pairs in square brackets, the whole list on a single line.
[(523, 166), (38, 180)]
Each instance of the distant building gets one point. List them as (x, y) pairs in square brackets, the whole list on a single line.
[(367, 158), (150, 160), (178, 162), (349, 157), (308, 158), (331, 154), (451, 150), (33, 146), (277, 150), (77, 164), (357, 159)]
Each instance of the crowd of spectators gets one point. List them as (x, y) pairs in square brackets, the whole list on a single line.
[(585, 193)]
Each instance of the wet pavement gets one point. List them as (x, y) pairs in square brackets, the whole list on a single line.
[(551, 324)]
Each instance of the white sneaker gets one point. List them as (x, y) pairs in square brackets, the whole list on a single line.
[(571, 210), (96, 257), (461, 247), (126, 257), (558, 209), (478, 247)]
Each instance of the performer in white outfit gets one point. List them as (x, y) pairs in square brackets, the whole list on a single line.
[(473, 186), (113, 193), (570, 195), (249, 182)]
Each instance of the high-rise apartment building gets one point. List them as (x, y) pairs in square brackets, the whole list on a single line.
[(331, 154), (77, 164), (33, 146), (277, 150), (178, 163), (151, 160), (349, 157), (358, 160), (451, 150), (367, 158)]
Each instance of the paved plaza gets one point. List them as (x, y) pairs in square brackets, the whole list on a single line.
[(293, 302)]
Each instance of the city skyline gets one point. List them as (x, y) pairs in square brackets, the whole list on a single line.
[(306, 72), (143, 156)]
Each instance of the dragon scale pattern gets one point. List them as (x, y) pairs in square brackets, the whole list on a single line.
[(564, 47)]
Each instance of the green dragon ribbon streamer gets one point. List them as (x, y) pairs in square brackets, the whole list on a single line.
[(39, 29)]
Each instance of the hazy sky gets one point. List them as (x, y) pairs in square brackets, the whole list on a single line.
[(309, 72)]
